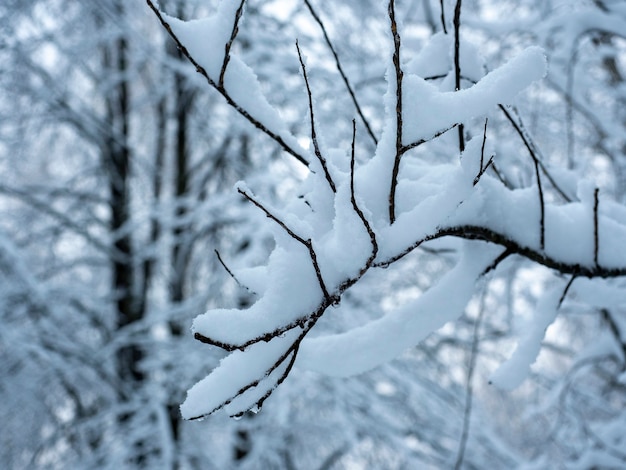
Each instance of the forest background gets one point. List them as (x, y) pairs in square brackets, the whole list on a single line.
[(120, 223)]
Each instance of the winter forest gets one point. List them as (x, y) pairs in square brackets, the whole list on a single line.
[(307, 235)]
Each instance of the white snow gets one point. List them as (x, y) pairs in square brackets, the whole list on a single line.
[(381, 340), (513, 372), (205, 38), (428, 110)]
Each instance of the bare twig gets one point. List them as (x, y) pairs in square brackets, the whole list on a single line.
[(222, 90), (504, 255), (596, 240), (341, 72), (229, 44), (291, 351), (483, 170), (316, 146), (520, 130), (412, 145), (304, 322), (542, 208), (457, 65), (501, 177), (230, 273), (482, 148), (483, 167), (307, 243), (518, 126), (398, 72), (356, 208), (567, 286), (283, 376), (443, 17), (469, 386)]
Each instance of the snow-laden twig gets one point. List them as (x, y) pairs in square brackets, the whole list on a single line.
[(316, 147), (379, 213)]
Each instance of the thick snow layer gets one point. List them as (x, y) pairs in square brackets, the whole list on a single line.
[(436, 59), (381, 340), (428, 110), (292, 293), (205, 38), (429, 199), (235, 372), (569, 228)]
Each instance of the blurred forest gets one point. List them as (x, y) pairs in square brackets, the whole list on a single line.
[(119, 224)]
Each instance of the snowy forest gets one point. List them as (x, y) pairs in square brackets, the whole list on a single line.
[(307, 235)]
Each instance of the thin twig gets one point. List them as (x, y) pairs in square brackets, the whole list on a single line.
[(229, 44), (341, 72), (303, 322), (482, 148), (399, 73), (596, 238), (567, 286), (443, 17), (501, 177), (542, 208), (307, 243), (537, 164), (504, 255), (290, 351), (483, 167), (316, 146), (283, 376), (615, 330), (483, 170), (521, 131), (231, 274), (519, 128), (412, 145), (222, 90), (457, 65), (356, 208)]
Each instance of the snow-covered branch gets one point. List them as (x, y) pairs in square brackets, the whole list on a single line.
[(378, 212)]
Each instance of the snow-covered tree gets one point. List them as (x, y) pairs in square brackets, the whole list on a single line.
[(456, 169), (422, 267)]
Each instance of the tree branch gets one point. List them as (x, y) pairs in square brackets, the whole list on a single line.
[(533, 151), (596, 242), (316, 146), (307, 243), (475, 232), (229, 44), (342, 73), (398, 73), (222, 90), (443, 17), (356, 208), (457, 65)]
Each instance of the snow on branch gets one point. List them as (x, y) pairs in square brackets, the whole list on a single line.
[(201, 41), (367, 217)]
